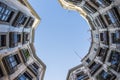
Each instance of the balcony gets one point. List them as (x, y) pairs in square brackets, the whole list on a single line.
[(25, 54), (94, 67), (105, 76), (14, 39), (102, 54), (82, 76), (11, 62), (24, 76), (104, 37), (88, 8), (115, 61)]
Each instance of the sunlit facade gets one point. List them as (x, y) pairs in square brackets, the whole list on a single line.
[(102, 61), (18, 59)]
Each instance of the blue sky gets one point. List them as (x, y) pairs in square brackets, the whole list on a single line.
[(60, 33)]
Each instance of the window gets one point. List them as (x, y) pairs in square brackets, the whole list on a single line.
[(111, 17), (102, 54), (107, 18), (82, 76), (115, 60), (19, 20), (101, 36), (100, 22), (34, 68), (102, 3), (29, 22), (88, 60), (97, 22), (24, 76), (96, 2), (97, 35), (18, 37), (95, 49), (5, 13), (105, 76), (115, 37), (2, 40), (94, 67), (104, 38), (117, 14), (25, 37), (25, 54), (11, 62), (108, 1), (114, 16), (14, 39), (88, 8), (75, 1)]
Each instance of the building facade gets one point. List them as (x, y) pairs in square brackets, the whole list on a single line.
[(18, 59), (102, 61)]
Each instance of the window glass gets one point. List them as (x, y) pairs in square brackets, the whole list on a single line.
[(25, 76)]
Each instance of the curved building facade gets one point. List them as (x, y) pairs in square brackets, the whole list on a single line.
[(102, 61), (18, 59)]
